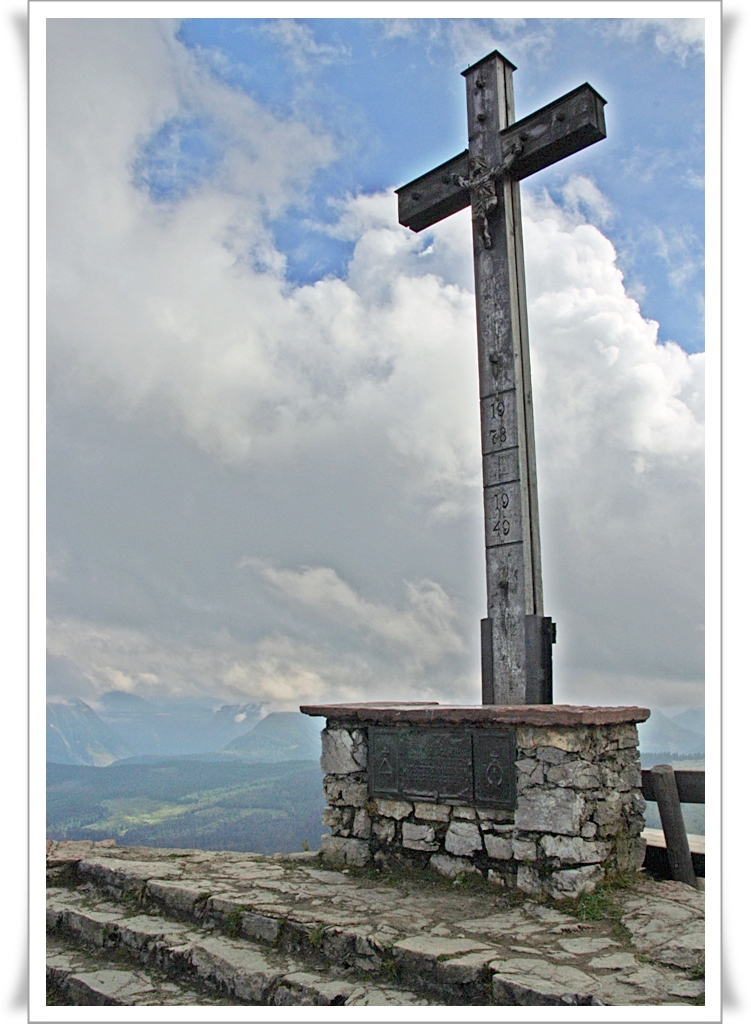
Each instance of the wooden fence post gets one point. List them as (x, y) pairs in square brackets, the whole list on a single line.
[(673, 827)]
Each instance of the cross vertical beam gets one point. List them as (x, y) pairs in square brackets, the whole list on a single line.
[(516, 636), (514, 663)]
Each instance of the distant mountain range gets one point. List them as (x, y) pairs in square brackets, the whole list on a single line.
[(126, 727), (77, 735), (692, 719), (176, 725), (680, 734), (189, 773), (280, 736)]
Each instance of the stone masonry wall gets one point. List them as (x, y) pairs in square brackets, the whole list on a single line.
[(579, 813)]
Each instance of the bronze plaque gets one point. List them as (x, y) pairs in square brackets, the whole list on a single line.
[(494, 768), (460, 766), (436, 765), (383, 757)]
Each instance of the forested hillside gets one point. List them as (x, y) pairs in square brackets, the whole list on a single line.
[(262, 808)]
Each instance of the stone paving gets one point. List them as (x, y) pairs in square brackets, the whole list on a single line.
[(283, 930)]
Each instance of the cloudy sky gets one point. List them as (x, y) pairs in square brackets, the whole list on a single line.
[(263, 428)]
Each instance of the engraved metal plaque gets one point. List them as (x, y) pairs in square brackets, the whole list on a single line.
[(443, 765), (384, 762), (436, 764), (494, 768)]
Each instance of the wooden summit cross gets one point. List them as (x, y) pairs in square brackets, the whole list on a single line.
[(516, 637)]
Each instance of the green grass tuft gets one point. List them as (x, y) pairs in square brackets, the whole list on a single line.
[(389, 969), (233, 923), (596, 906), (619, 880)]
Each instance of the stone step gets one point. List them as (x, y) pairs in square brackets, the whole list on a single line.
[(293, 905), (78, 976), (457, 944), (99, 954)]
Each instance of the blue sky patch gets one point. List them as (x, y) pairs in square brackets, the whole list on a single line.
[(391, 95), (179, 156)]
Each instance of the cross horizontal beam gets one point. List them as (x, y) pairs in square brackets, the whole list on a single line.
[(563, 127), (435, 195)]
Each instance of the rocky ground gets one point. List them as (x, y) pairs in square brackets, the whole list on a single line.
[(141, 926)]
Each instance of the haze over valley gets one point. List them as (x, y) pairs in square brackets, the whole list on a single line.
[(188, 772)]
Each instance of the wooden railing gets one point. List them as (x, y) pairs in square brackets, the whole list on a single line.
[(670, 789), (690, 785)]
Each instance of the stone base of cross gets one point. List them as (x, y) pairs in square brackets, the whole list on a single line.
[(516, 636)]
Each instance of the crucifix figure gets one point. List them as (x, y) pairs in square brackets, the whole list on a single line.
[(516, 636)]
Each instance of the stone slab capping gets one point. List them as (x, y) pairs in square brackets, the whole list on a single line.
[(578, 809)]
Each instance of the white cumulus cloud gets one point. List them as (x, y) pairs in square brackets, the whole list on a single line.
[(675, 37), (422, 631)]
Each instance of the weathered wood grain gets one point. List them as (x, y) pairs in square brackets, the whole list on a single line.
[(435, 195), (571, 123), (690, 786), (673, 827), (563, 127)]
